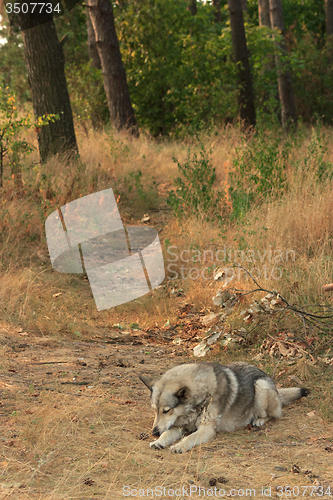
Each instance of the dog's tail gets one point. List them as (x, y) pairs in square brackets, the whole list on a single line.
[(289, 395)]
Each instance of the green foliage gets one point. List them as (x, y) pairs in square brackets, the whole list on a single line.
[(315, 158), (73, 24), (14, 72), (261, 165), (85, 83), (296, 13), (309, 13), (312, 78), (11, 126), (195, 193), (260, 169), (180, 67), (133, 194), (86, 90), (179, 70), (262, 56)]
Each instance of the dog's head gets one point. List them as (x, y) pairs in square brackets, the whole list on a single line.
[(169, 400)]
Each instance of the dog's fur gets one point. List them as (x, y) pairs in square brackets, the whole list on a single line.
[(205, 398)]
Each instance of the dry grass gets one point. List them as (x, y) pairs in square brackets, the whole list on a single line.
[(299, 222)]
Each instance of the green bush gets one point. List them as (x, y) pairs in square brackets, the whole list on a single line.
[(195, 193), (260, 166)]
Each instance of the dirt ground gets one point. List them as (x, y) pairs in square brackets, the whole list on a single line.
[(76, 424)]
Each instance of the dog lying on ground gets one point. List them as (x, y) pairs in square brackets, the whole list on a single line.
[(201, 399)]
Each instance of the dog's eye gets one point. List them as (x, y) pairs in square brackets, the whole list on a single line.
[(166, 410)]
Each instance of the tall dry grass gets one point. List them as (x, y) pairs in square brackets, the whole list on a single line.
[(299, 222)]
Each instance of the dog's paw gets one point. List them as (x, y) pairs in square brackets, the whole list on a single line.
[(177, 448), (156, 445), (259, 422)]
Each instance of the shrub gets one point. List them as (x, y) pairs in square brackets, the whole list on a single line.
[(195, 193)]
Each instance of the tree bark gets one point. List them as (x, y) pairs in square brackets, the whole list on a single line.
[(241, 59), (192, 7), (114, 75), (46, 73), (265, 20), (329, 17), (286, 94), (92, 47), (218, 15), (264, 16)]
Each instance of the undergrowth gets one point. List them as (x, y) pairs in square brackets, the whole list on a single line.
[(281, 202)]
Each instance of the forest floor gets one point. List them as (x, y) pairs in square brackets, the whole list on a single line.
[(76, 423)]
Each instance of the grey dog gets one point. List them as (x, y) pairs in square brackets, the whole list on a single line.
[(198, 400)]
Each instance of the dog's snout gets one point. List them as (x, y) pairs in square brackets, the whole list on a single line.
[(156, 432)]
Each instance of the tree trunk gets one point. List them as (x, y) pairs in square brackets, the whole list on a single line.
[(265, 20), (241, 59), (45, 61), (264, 16), (244, 5), (92, 47), (218, 15), (329, 17), (114, 75), (192, 7), (286, 94)]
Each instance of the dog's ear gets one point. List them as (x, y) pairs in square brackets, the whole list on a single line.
[(182, 393), (147, 381)]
